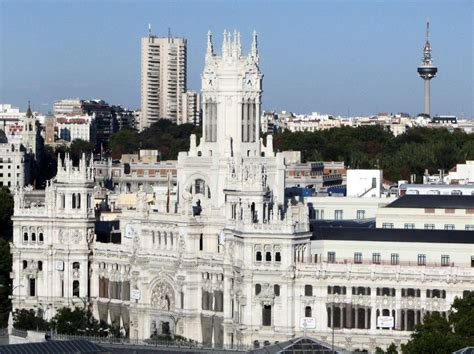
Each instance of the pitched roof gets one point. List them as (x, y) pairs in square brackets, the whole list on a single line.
[(433, 201), (298, 345), (65, 347), (392, 235)]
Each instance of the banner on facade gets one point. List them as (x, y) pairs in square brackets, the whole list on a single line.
[(308, 322), (385, 322), (135, 294)]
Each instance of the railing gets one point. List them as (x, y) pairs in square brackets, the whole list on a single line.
[(19, 332), (152, 342), (311, 260)]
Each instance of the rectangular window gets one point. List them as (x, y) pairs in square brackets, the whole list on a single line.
[(376, 258), (266, 315), (337, 214), (409, 226), (422, 259), (449, 226), (469, 227), (387, 225), (322, 214), (357, 257), (472, 261), (445, 260), (429, 210), (429, 226), (394, 259), (331, 257), (32, 287), (360, 214)]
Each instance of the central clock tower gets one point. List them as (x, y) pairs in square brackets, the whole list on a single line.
[(231, 93)]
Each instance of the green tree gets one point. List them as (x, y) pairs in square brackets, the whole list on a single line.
[(29, 320), (79, 147), (5, 282), (434, 335), (78, 321), (462, 318), (392, 349), (6, 212), (124, 142), (440, 335)]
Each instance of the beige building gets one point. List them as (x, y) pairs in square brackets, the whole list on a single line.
[(163, 78), (191, 108)]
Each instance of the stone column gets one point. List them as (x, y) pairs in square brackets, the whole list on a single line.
[(356, 316), (373, 318), (366, 318), (251, 122), (245, 125), (405, 316), (349, 316), (398, 320)]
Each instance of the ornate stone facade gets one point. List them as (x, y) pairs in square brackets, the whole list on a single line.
[(232, 261)]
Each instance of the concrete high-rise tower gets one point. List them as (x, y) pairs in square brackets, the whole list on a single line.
[(427, 70), (163, 78)]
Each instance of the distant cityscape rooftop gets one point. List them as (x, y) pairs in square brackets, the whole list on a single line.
[(392, 235), (434, 201)]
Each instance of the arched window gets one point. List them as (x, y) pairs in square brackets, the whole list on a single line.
[(25, 264), (63, 201), (199, 186), (78, 201), (258, 289), (308, 290), (75, 288), (307, 311), (268, 256), (40, 266), (33, 237), (258, 256), (276, 289), (41, 237), (25, 236), (76, 265), (277, 257)]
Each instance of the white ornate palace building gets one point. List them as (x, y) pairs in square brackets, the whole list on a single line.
[(229, 260)]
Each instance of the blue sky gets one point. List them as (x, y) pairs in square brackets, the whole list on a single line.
[(326, 56)]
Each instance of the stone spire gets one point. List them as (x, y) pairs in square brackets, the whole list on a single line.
[(29, 113), (210, 49), (236, 46), (254, 50), (225, 43)]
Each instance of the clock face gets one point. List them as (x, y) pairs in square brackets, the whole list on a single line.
[(211, 80), (249, 81)]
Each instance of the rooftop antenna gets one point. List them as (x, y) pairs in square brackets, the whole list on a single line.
[(169, 33), (149, 30), (427, 29)]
